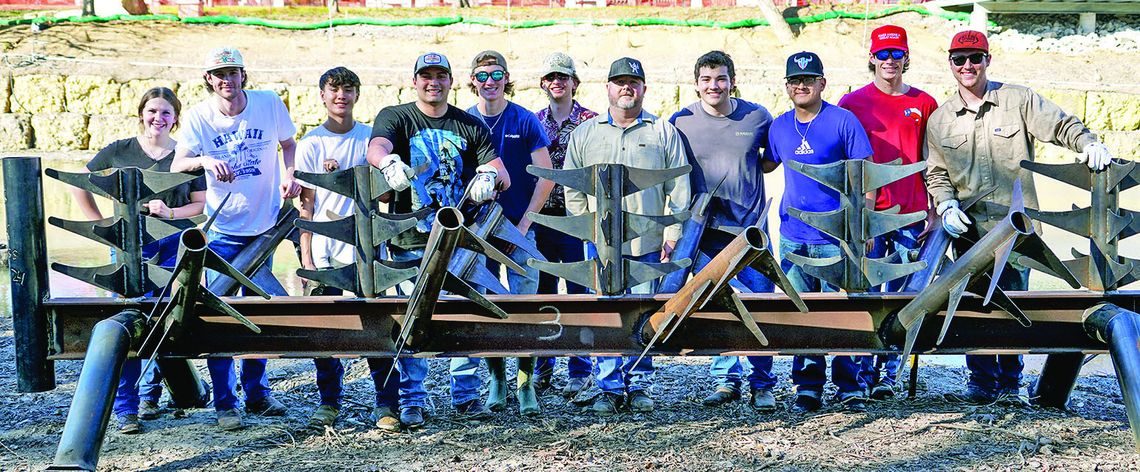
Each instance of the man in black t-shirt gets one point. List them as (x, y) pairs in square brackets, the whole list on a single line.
[(429, 151)]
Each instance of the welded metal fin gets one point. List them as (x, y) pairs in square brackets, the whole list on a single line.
[(377, 184), (833, 223), (155, 229), (832, 270), (1120, 170), (1132, 174), (108, 277), (1001, 300), (581, 179), (876, 176), (1084, 269), (956, 293), (654, 222), (1001, 256), (216, 263), (578, 226), (883, 222), (482, 276), (386, 226), (106, 231), (1031, 246), (908, 345), (832, 175), (1075, 221), (731, 302), (470, 241), (1133, 226), (768, 265), (1131, 276), (343, 230), (1075, 174), (339, 181), (156, 277), (454, 285), (637, 273), (384, 276), (637, 179), (212, 301), (582, 272), (880, 271), (509, 233), (689, 308), (343, 277), (100, 183), (154, 182), (1117, 222)]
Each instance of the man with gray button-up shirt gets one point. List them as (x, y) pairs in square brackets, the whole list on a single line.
[(975, 141), (629, 136)]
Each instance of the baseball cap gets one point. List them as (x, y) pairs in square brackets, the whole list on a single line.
[(222, 57), (626, 66), (970, 40), (432, 59), (558, 63), (490, 57), (888, 37), (804, 63)]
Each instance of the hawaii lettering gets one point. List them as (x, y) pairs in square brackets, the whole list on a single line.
[(232, 136)]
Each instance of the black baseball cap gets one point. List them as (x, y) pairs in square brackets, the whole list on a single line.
[(626, 66), (804, 63)]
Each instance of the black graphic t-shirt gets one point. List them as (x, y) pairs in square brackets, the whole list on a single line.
[(443, 152)]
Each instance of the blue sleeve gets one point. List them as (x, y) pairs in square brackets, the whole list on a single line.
[(856, 142), (770, 150), (535, 130)]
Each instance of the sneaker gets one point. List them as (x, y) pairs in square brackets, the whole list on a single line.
[(1014, 396), (267, 406), (882, 391), (412, 417), (721, 396), (972, 395), (574, 386), (807, 401), (473, 410), (229, 420), (640, 402), (385, 419), (855, 403), (149, 410), (129, 424), (763, 400), (324, 415), (607, 404)]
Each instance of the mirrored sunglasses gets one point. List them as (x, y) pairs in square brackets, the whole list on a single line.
[(896, 54), (495, 75)]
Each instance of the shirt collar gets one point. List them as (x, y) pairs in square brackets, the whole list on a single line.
[(991, 96), (576, 111), (642, 118)]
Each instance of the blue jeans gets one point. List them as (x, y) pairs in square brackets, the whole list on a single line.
[(557, 246), (884, 368), (127, 395), (619, 374), (413, 370), (810, 372), (253, 378), (728, 370)]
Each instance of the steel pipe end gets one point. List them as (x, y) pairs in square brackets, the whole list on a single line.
[(193, 239), (755, 238), (449, 217), (1021, 222)]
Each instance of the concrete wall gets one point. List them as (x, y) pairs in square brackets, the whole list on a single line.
[(83, 112)]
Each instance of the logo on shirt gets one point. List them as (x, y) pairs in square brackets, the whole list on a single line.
[(435, 157), (913, 113), (804, 148), (745, 133), (512, 136)]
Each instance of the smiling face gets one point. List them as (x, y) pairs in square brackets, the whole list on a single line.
[(226, 82), (158, 117), (969, 75), (625, 92), (806, 91), (714, 86), (889, 69), (490, 89), (339, 99), (432, 85), (559, 86)]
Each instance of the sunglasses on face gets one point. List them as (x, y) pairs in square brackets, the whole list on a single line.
[(496, 76), (556, 76), (975, 58), (806, 81), (896, 54)]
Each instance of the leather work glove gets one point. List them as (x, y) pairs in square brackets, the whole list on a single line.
[(483, 185), (1096, 155), (954, 220), (396, 173)]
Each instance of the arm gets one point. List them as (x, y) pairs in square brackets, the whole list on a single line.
[(678, 190), (540, 158), (1047, 122), (768, 166), (503, 180), (289, 188), (576, 201), (185, 161), (308, 204), (86, 202)]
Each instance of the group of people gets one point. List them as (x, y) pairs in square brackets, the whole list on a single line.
[(433, 154)]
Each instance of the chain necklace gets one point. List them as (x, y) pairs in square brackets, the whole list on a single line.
[(492, 126), (803, 135)]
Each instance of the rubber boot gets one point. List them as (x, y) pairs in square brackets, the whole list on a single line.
[(528, 398), (497, 387)]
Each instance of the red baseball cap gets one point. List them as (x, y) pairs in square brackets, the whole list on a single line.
[(970, 40), (888, 37)]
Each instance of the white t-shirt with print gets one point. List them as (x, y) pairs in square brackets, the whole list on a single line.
[(248, 143), (349, 150)]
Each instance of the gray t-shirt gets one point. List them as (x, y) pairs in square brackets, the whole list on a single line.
[(727, 148)]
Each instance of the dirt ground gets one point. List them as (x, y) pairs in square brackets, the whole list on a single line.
[(924, 433)]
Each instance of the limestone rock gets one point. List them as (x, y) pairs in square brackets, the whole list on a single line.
[(374, 98), (1123, 144), (191, 93), (407, 94), (305, 105), (37, 94), (5, 92), (91, 94), (1072, 101), (1113, 111), (15, 132), (106, 129), (60, 131), (532, 99), (131, 92)]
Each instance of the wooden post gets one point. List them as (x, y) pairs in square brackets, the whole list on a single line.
[(776, 21)]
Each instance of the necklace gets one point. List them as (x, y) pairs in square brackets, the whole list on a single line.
[(492, 126), (803, 135)]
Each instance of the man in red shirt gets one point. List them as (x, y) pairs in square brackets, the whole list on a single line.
[(894, 115)]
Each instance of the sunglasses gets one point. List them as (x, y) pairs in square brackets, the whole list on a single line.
[(896, 54), (556, 76), (975, 58), (803, 80), (496, 76)]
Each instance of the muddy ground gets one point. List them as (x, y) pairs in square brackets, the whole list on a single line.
[(924, 433)]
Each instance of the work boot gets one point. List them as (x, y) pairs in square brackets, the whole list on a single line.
[(1014, 396), (762, 400), (607, 404), (473, 410), (721, 396), (385, 419), (229, 420), (129, 424), (324, 415), (973, 395), (149, 410), (497, 385), (412, 417), (882, 391), (640, 402), (267, 406), (574, 385), (852, 401), (807, 401), (528, 397)]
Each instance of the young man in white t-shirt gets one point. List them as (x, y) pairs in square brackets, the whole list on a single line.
[(234, 135), (340, 143)]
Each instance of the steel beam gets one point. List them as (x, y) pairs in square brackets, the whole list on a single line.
[(1120, 329), (1057, 379)]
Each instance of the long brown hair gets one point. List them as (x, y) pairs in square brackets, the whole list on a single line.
[(165, 94)]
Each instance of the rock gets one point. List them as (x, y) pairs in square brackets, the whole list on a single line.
[(660, 100), (106, 129), (305, 105), (192, 92), (374, 98), (132, 91), (15, 131), (1072, 101), (5, 92), (532, 99), (91, 94), (1123, 144), (60, 131), (1113, 111), (37, 94)]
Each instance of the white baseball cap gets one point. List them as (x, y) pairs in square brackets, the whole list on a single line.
[(222, 57)]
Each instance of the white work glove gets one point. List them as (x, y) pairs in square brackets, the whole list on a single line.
[(954, 220), (396, 173), (483, 185), (1096, 155)]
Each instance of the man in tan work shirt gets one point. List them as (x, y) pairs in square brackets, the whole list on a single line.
[(976, 140)]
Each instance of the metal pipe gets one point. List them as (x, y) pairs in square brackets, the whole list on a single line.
[(1120, 329), (1058, 377), (444, 237), (27, 251), (610, 229), (186, 387), (932, 252), (250, 259), (90, 408), (691, 232), (130, 223)]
